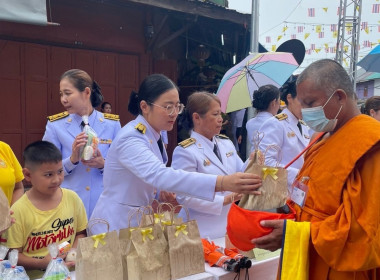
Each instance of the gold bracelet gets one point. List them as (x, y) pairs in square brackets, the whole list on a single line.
[(221, 184)]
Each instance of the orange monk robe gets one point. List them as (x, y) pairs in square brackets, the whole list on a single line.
[(343, 202)]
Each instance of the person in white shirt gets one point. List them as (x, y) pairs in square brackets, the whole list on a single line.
[(266, 100)]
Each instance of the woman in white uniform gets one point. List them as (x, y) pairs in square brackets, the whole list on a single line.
[(266, 100), (286, 131), (136, 163), (80, 95), (206, 152)]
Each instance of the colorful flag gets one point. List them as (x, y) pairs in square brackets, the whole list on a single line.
[(364, 25), (335, 34), (284, 29), (332, 49), (308, 52), (311, 12), (279, 38), (312, 47), (300, 29), (326, 46), (321, 35), (317, 50), (325, 9), (378, 28), (367, 44), (366, 30), (338, 12), (333, 27), (293, 36), (375, 8), (306, 35), (267, 39), (345, 49), (273, 48), (318, 29)]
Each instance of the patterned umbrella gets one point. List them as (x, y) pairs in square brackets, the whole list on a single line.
[(371, 62), (238, 84)]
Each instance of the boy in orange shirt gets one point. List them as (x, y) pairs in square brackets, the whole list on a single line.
[(46, 213)]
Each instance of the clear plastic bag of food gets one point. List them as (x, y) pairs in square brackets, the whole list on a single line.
[(12, 271), (57, 269), (92, 140)]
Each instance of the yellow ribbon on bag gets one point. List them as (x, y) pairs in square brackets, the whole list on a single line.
[(270, 171), (158, 217), (181, 228), (99, 238), (147, 233), (166, 223)]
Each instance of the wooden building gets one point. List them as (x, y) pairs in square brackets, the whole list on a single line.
[(118, 42)]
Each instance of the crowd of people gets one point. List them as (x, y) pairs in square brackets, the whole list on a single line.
[(339, 175)]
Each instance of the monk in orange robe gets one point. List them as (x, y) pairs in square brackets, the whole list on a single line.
[(342, 173)]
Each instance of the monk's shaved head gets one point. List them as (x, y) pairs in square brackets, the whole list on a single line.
[(328, 75)]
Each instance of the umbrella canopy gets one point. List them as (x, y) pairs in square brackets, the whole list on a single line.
[(238, 84), (371, 62)]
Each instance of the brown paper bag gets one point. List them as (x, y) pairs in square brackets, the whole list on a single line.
[(149, 257), (185, 248), (99, 256), (5, 217)]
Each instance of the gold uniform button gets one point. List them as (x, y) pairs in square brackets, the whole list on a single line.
[(87, 188), (88, 169)]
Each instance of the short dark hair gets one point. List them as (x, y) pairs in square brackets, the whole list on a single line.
[(104, 104), (80, 80), (150, 90), (40, 152), (372, 103), (198, 102), (289, 88), (263, 96)]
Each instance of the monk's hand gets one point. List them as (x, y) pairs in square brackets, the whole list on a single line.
[(245, 183), (273, 240)]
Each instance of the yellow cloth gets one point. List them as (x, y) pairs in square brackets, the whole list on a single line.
[(295, 251), (342, 203), (10, 171), (35, 229)]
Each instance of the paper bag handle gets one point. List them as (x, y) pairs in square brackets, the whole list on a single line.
[(95, 221)]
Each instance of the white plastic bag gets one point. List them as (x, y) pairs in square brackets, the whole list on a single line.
[(14, 272), (56, 269)]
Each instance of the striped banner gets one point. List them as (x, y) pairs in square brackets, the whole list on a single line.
[(311, 12)]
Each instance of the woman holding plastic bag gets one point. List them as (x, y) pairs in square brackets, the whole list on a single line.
[(136, 163), (79, 128)]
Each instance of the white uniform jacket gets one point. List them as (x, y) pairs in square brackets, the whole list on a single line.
[(211, 216), (135, 169), (86, 182), (284, 132), (254, 125)]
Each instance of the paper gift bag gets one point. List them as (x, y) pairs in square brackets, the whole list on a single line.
[(149, 257), (99, 256), (185, 248), (5, 217)]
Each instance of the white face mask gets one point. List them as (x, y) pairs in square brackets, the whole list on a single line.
[(316, 119)]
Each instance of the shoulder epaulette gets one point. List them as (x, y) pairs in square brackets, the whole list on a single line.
[(281, 117), (111, 117), (188, 142), (59, 116), (222, 136), (140, 128), (302, 122)]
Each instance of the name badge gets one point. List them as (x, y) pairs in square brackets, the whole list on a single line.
[(229, 154), (105, 141), (206, 162), (299, 192)]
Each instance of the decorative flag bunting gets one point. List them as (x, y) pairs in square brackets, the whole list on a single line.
[(366, 30), (318, 29), (364, 25), (273, 48), (345, 49), (333, 27), (312, 47), (367, 44), (311, 12), (325, 9), (306, 35), (376, 8), (268, 39), (293, 36), (335, 34), (300, 29), (284, 29), (279, 38), (317, 50), (321, 35)]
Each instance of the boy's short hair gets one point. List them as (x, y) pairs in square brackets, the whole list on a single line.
[(40, 152)]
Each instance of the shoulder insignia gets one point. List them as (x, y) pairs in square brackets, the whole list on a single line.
[(281, 117), (302, 122), (140, 128), (188, 142), (111, 117), (59, 116), (222, 136)]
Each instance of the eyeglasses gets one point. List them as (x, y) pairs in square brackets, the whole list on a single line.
[(170, 109)]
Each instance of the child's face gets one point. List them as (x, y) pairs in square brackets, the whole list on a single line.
[(46, 178)]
